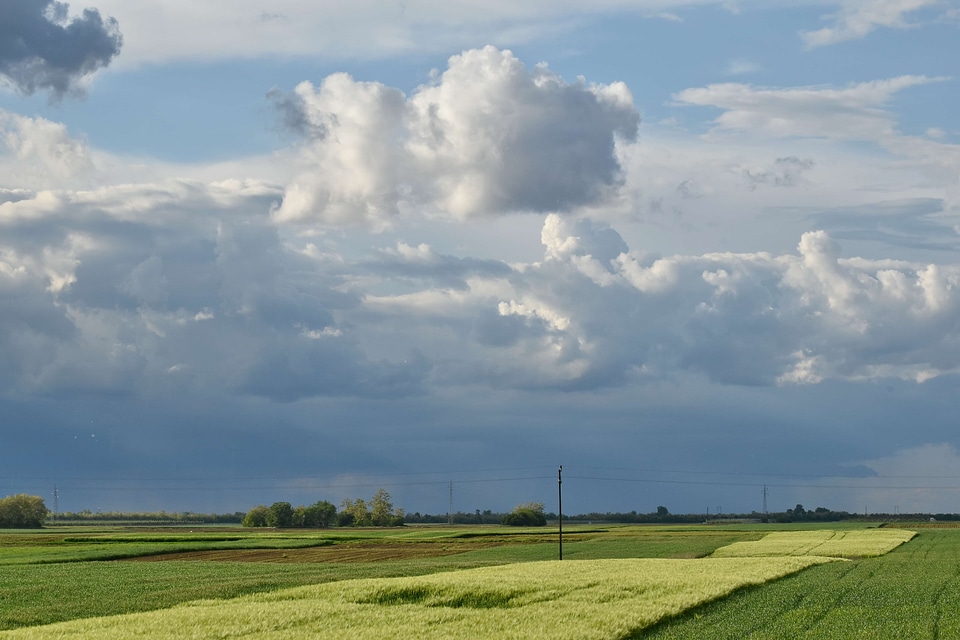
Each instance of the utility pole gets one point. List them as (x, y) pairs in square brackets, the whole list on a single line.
[(560, 506), (56, 503), (764, 499)]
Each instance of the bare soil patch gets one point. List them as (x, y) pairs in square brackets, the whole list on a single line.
[(350, 552)]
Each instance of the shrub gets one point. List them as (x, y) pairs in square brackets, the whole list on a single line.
[(521, 517)]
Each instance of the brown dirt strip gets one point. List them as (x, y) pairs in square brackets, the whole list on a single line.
[(352, 552)]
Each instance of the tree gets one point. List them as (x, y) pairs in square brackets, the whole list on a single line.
[(319, 514), (22, 512), (280, 515), (359, 515), (528, 514), (326, 513), (379, 512), (256, 517), (662, 511), (300, 516), (381, 508), (536, 507)]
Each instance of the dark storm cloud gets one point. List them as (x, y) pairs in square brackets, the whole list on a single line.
[(292, 115), (42, 49), (31, 328)]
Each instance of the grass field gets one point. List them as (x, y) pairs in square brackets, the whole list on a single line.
[(50, 576), (590, 599), (456, 578), (912, 593), (834, 544)]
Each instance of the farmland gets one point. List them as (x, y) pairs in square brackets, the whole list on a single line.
[(912, 592), (618, 582), (834, 544)]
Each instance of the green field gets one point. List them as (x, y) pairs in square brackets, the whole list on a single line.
[(618, 582), (834, 544), (912, 593)]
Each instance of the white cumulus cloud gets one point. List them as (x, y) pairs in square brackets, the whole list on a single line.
[(36, 153), (488, 137)]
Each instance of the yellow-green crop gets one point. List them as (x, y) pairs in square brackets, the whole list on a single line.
[(834, 544), (588, 599)]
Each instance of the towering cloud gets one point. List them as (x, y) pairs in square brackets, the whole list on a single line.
[(496, 137), (488, 137), (42, 48)]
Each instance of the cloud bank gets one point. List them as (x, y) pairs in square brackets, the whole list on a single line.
[(182, 285), (245, 287)]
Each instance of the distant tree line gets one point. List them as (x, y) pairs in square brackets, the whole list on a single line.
[(662, 515), (283, 515), (159, 517), (517, 516), (460, 517), (528, 514), (377, 512), (26, 511)]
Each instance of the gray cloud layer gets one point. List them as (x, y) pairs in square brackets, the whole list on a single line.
[(183, 286), (41, 48)]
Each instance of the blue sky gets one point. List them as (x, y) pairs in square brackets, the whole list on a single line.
[(686, 249)]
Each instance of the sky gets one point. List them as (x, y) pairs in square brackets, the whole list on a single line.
[(686, 249)]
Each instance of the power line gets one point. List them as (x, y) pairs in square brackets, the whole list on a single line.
[(758, 485), (772, 475), (194, 487), (460, 472), (236, 478)]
